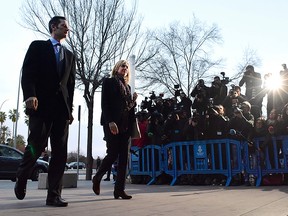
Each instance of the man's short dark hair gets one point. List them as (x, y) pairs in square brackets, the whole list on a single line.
[(55, 21), (249, 67), (237, 87)]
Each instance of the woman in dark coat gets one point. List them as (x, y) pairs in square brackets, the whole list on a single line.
[(117, 119)]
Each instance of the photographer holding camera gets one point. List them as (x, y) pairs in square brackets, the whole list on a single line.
[(200, 93), (233, 100), (243, 123), (185, 104), (216, 123), (218, 91), (253, 83)]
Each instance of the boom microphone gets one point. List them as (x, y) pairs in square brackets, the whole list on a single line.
[(234, 132)]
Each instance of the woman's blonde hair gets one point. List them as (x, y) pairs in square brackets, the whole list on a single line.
[(116, 68)]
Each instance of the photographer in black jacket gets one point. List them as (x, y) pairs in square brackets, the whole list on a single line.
[(200, 93), (218, 91), (185, 104), (253, 83)]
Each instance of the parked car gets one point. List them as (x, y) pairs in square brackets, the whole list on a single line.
[(73, 165), (10, 159), (66, 165)]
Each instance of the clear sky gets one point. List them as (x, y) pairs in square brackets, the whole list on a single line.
[(258, 24)]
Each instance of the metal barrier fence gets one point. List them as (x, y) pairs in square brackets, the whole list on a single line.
[(202, 157), (146, 161), (272, 159), (225, 157)]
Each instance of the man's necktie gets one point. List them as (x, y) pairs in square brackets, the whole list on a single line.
[(57, 52), (59, 57)]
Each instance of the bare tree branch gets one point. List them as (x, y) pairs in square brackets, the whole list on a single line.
[(184, 54), (250, 57)]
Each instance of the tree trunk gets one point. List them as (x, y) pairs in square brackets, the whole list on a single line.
[(89, 169)]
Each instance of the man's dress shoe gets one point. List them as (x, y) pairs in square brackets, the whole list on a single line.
[(20, 189), (96, 185), (121, 194), (56, 202)]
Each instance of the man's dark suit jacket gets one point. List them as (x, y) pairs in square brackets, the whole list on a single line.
[(41, 79)]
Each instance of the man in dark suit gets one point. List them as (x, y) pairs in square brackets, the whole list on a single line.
[(48, 80)]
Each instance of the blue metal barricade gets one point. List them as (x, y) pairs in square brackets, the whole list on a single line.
[(146, 162), (226, 157), (202, 157), (272, 159)]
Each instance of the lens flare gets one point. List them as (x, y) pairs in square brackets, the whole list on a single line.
[(273, 82)]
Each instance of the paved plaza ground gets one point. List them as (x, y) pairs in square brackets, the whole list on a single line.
[(150, 200)]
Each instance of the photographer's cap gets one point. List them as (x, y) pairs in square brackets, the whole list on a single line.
[(246, 103)]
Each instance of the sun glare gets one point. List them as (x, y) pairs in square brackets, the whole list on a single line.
[(273, 82)]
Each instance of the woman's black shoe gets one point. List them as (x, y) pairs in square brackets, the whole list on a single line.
[(121, 194), (96, 185)]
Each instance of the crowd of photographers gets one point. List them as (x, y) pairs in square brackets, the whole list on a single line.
[(215, 111)]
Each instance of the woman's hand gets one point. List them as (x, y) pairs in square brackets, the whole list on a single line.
[(135, 95)]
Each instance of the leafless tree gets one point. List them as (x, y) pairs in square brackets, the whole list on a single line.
[(250, 57), (184, 54), (102, 32)]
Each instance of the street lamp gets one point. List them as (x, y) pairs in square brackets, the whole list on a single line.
[(132, 73), (2, 104), (17, 109), (0, 111), (78, 149)]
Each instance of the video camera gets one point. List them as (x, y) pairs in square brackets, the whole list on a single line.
[(152, 102), (177, 90), (225, 80), (145, 104), (152, 95), (237, 109), (232, 92)]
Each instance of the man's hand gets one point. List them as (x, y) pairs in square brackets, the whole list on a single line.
[(71, 118), (32, 103), (113, 128)]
